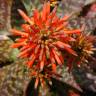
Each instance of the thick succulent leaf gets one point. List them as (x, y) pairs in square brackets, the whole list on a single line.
[(85, 79), (3, 73), (7, 54), (30, 5), (68, 78), (16, 79), (73, 6), (89, 1), (84, 13), (92, 11), (89, 23), (5, 13)]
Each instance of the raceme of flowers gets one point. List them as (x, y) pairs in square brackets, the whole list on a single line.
[(43, 38)]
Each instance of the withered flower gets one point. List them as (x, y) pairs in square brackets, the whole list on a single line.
[(84, 47)]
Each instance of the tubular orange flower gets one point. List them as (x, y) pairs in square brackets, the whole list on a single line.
[(44, 38), (41, 32)]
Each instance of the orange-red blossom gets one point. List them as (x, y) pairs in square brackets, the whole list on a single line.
[(43, 39)]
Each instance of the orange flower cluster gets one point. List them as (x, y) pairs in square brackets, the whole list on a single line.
[(84, 47), (43, 39)]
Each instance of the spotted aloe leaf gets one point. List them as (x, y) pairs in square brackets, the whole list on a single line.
[(5, 16), (68, 78), (7, 54)]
